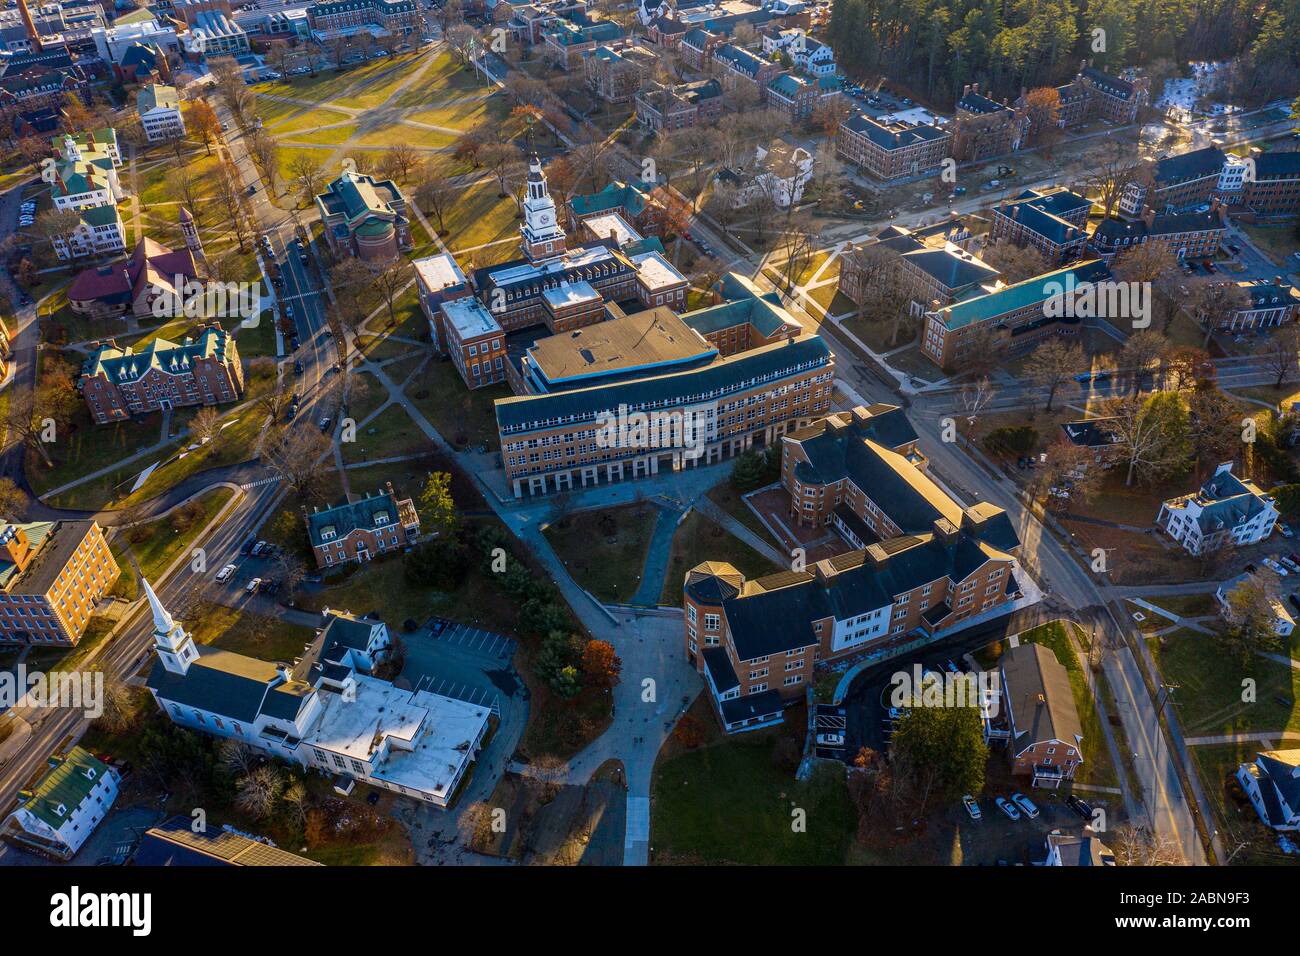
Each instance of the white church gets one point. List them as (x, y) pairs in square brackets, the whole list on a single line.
[(326, 712)]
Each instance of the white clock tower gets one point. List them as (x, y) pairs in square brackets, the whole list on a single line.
[(543, 237)]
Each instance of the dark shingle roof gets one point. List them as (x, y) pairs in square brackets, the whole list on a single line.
[(1037, 687)]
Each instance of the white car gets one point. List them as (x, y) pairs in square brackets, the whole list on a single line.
[(972, 807), (253, 585), (1285, 531), (1289, 564), (830, 740), (225, 573), (1274, 567), (1007, 807), (1025, 804)]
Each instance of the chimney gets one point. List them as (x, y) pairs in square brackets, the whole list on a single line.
[(945, 530), (30, 24), (164, 67), (1015, 212)]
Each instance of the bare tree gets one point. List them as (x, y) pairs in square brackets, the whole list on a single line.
[(1053, 364), (1153, 434), (237, 757), (206, 424), (1280, 352), (400, 161), (308, 175), (295, 455), (257, 792)]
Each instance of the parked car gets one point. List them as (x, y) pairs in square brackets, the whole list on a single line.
[(253, 585), (1274, 566), (247, 546), (325, 423), (1025, 804), (1009, 808), (225, 573), (259, 549), (1084, 810), (1289, 564), (252, 189), (834, 740), (297, 367), (971, 806)]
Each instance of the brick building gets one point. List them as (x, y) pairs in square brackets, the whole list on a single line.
[(757, 642), (1019, 314), (893, 150), (1037, 719), (983, 127), (364, 217), (614, 73), (361, 528), (586, 436), (676, 107), (1055, 223), (120, 383), (52, 574), (743, 317), (1189, 235), (932, 263), (473, 340), (336, 17), (1094, 94)]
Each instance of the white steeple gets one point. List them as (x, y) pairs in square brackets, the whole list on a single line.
[(173, 644), (543, 236)]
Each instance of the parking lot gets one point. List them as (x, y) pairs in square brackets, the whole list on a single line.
[(467, 663)]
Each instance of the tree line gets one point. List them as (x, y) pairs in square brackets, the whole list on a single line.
[(935, 47)]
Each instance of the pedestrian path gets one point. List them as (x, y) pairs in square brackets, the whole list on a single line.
[(657, 557)]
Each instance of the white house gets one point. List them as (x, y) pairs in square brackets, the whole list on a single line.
[(57, 815), (324, 712), (780, 172), (1284, 623), (1083, 849), (1226, 509), (812, 56), (1272, 783), (159, 107)]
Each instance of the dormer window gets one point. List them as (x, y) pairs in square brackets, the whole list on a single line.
[(328, 533), (61, 810), (90, 773), (382, 518)]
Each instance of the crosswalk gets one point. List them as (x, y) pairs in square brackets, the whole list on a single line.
[(248, 485)]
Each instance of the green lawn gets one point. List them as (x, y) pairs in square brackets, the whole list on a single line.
[(699, 539), (462, 415), (170, 536), (1097, 768), (605, 550), (731, 501), (480, 216), (1187, 605), (389, 434), (83, 447), (728, 804), (1212, 686), (253, 635)]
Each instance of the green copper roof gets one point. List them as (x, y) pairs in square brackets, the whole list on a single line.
[(66, 785)]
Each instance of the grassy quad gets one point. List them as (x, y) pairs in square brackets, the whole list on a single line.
[(605, 549), (699, 539)]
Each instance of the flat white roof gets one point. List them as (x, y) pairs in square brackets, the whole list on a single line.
[(438, 272), (656, 271), (432, 736), (611, 224), (571, 293), (469, 318)]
